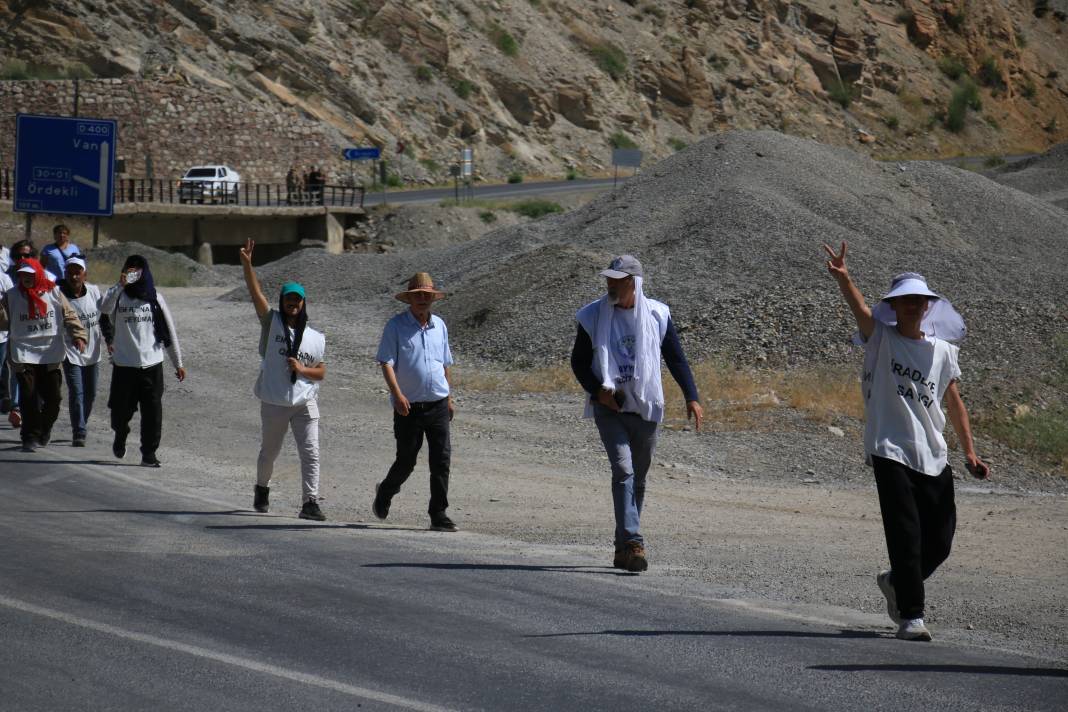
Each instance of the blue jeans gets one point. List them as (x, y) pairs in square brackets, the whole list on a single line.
[(629, 441), (81, 392)]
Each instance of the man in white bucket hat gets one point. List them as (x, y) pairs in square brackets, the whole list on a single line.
[(910, 366)]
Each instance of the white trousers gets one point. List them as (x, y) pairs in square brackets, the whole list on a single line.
[(303, 420)]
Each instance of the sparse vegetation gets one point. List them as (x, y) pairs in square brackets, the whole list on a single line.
[(487, 216), (965, 96), (993, 162), (572, 173), (463, 88), (892, 122), (1028, 89), (515, 177), (952, 67), (535, 208), (954, 20), (992, 123), (504, 41), (424, 73), (718, 62), (989, 74), (676, 143), (1021, 39), (621, 140), (842, 94), (17, 69), (611, 59), (1040, 433), (430, 164), (654, 10)]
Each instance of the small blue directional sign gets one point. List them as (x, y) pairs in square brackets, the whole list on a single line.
[(64, 165), (362, 154)]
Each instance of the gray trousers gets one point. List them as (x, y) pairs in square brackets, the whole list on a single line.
[(303, 420), (629, 442)]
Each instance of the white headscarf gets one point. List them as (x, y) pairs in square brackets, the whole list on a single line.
[(649, 391)]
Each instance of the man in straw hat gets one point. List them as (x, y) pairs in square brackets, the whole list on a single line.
[(910, 366), (415, 357), (616, 358)]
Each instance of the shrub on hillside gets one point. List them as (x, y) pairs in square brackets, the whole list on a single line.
[(841, 93), (611, 59), (621, 140), (535, 209), (952, 67)]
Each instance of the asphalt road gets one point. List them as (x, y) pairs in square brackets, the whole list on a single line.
[(120, 589), (490, 192)]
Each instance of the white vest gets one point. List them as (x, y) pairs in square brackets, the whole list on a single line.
[(88, 308), (135, 335), (5, 284), (273, 383), (36, 340)]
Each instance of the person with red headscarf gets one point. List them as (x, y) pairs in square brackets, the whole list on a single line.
[(32, 311)]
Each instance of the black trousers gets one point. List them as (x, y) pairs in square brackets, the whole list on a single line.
[(134, 389), (432, 420), (919, 519), (40, 393)]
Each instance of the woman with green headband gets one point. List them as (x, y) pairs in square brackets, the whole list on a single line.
[(288, 384)]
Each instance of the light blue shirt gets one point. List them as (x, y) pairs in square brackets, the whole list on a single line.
[(418, 356), (55, 260)]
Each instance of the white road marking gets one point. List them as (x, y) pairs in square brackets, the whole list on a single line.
[(236, 661)]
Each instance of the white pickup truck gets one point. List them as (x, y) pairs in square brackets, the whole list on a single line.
[(209, 184)]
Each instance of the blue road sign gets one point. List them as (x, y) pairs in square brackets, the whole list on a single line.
[(362, 154), (64, 165)]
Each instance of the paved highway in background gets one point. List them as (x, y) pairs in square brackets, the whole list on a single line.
[(119, 590)]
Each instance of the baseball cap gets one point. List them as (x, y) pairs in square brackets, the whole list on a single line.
[(623, 266), (27, 268), (76, 261), (293, 288)]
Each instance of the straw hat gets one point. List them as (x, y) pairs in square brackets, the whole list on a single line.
[(419, 282)]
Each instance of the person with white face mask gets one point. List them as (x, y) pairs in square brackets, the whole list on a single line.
[(616, 359), (81, 367), (910, 367), (291, 369)]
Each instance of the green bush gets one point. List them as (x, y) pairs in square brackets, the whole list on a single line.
[(515, 177), (952, 67), (654, 10), (424, 73), (892, 122), (430, 164), (676, 143), (507, 44), (989, 74), (572, 173), (463, 88), (611, 59), (621, 140), (842, 93), (994, 162), (487, 216), (18, 69), (535, 208), (965, 96), (1028, 89), (14, 69)]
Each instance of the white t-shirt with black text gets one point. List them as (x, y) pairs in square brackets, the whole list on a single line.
[(903, 384)]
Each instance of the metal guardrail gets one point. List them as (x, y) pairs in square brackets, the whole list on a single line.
[(159, 190)]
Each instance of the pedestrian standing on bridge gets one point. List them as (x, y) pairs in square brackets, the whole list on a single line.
[(910, 366), (144, 330), (36, 313), (81, 366), (54, 257), (616, 358), (415, 357), (291, 369)]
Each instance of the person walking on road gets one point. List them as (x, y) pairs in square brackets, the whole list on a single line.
[(54, 257), (291, 369), (36, 313), (81, 367), (415, 358), (9, 385), (144, 330), (910, 367), (616, 358)]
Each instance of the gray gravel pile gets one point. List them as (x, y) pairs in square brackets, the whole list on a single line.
[(419, 226), (729, 232), (1045, 176), (169, 268)]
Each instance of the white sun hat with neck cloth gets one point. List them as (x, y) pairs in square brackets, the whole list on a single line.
[(940, 321)]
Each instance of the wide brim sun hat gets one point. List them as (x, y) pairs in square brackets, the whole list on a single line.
[(419, 282)]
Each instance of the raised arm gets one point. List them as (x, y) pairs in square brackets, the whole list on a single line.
[(837, 267), (258, 300)]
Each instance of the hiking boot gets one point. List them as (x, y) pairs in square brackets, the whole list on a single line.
[(118, 448), (380, 506), (15, 418), (441, 523), (261, 498), (883, 580), (150, 461), (636, 560), (29, 446), (620, 559), (77, 441), (311, 510), (914, 629)]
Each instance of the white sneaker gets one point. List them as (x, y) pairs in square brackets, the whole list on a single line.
[(887, 588), (914, 629)]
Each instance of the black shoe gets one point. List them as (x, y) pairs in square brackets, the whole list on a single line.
[(78, 441), (380, 507), (261, 498), (311, 510), (45, 439), (5, 406), (150, 461), (441, 523), (118, 448), (29, 446)]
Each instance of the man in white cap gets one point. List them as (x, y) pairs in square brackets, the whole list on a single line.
[(81, 367), (36, 313), (616, 358), (910, 366), (415, 358)]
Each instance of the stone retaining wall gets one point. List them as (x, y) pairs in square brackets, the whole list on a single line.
[(175, 126)]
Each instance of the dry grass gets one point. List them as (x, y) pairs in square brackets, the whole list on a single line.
[(733, 399)]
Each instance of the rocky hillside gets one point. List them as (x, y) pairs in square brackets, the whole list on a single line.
[(537, 86)]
